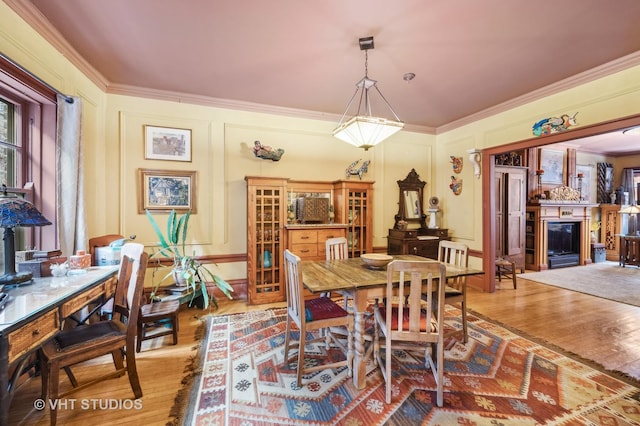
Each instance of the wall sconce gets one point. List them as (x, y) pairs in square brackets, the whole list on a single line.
[(475, 157)]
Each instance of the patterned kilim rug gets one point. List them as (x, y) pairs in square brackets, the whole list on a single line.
[(498, 378)]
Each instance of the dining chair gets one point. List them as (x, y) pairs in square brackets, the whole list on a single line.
[(86, 342), (337, 248), (506, 268), (318, 314), (133, 251), (457, 254), (158, 315), (412, 325), (101, 241)]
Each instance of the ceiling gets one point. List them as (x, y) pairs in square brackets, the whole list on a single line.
[(469, 57)]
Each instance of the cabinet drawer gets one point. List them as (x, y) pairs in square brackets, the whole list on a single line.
[(305, 251), (325, 234), (32, 335), (424, 248), (304, 236), (82, 300)]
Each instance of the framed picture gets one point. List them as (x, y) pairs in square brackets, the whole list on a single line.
[(552, 163), (588, 191), (166, 190), (166, 143)]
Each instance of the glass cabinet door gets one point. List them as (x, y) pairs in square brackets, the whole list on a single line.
[(265, 220), (354, 208)]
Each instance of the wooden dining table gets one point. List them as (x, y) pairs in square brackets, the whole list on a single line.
[(352, 278)]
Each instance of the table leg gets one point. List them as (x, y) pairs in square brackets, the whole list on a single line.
[(360, 302)]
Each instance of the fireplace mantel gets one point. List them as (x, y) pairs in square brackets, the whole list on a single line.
[(540, 213)]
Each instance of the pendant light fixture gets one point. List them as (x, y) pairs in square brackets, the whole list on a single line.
[(364, 130)]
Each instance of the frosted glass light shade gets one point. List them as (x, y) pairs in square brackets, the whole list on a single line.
[(365, 132)]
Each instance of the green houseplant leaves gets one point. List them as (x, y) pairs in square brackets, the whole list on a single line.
[(185, 268)]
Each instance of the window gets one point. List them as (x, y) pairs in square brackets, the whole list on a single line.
[(27, 149), (9, 151)]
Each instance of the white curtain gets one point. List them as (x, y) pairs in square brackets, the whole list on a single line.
[(72, 224)]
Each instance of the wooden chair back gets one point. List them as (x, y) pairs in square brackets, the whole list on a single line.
[(295, 293), (454, 253), (133, 251), (421, 276), (336, 248), (101, 241), (130, 292)]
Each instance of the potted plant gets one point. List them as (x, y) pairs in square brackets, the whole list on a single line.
[(186, 269)]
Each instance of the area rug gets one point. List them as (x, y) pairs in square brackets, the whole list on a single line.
[(607, 280), (497, 378)]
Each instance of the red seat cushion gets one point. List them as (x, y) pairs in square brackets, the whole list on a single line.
[(405, 320), (322, 308)]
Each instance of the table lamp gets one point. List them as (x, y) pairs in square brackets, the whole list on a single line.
[(632, 211), (16, 211)]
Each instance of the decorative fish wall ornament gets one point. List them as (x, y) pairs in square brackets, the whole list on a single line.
[(551, 125)]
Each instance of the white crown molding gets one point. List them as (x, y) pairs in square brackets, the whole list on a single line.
[(36, 20)]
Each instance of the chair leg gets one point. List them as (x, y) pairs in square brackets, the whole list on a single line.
[(53, 382), (118, 360), (440, 374), (174, 327), (301, 344), (71, 377), (132, 372), (140, 336), (387, 368), (465, 334), (287, 339)]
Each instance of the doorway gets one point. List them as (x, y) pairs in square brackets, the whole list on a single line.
[(488, 183)]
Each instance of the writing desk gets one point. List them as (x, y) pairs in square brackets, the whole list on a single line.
[(352, 278), (35, 312)]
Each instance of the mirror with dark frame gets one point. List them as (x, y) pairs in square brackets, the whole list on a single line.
[(410, 205)]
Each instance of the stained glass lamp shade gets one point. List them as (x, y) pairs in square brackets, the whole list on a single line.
[(15, 212)]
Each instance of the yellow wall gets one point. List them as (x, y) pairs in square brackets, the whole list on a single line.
[(614, 96), (222, 156)]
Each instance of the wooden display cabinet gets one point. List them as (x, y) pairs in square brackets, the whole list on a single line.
[(611, 226), (410, 234), (266, 216), (353, 204)]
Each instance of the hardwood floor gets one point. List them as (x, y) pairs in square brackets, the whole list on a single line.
[(598, 329), (601, 330)]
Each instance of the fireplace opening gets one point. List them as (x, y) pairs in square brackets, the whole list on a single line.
[(563, 247)]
